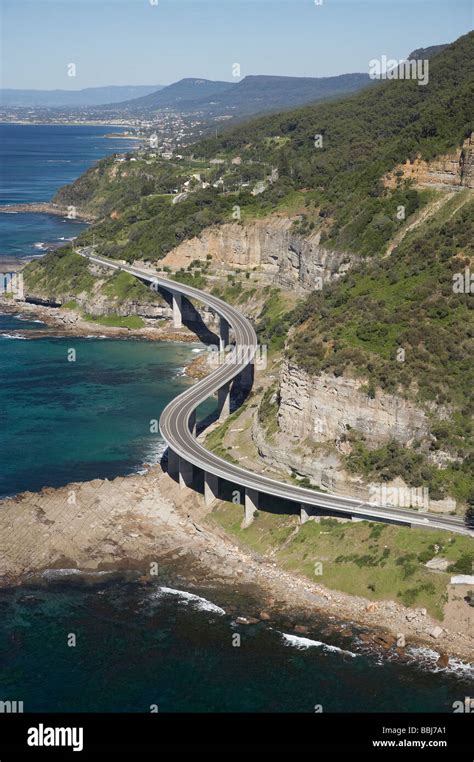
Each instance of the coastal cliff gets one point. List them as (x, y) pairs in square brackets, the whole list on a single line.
[(287, 259)]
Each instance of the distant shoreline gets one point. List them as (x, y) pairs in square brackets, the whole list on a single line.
[(66, 124), (46, 207)]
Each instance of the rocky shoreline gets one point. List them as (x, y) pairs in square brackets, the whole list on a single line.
[(47, 207), (138, 522), (130, 522)]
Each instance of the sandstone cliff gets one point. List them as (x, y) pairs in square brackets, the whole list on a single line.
[(312, 418), (453, 170), (323, 408), (289, 260)]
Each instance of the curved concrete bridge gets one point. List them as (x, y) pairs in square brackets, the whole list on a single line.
[(178, 425)]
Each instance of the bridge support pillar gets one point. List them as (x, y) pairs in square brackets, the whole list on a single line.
[(304, 515), (192, 423), (177, 310), (185, 473), (250, 506), (223, 401), (173, 463), (20, 291), (223, 334), (211, 488), (308, 512), (246, 377)]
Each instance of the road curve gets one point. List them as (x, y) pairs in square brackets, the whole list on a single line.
[(175, 425)]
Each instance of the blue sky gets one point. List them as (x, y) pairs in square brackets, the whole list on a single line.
[(125, 42)]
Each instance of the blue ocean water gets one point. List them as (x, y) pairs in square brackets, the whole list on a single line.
[(139, 646), (35, 161), (84, 419)]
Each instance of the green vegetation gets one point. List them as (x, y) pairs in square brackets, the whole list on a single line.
[(190, 278), (274, 320), (59, 272), (215, 439), (409, 297), (150, 228), (339, 185), (123, 287), (268, 409), (117, 321), (391, 460), (394, 321), (364, 137), (388, 563)]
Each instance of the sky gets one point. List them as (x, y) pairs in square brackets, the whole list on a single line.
[(156, 42)]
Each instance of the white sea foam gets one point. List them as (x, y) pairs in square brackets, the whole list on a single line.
[(201, 603), (12, 336), (155, 452), (196, 350), (20, 316), (60, 573), (427, 658), (181, 372), (303, 643)]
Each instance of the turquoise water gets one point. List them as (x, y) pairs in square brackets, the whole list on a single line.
[(67, 421)]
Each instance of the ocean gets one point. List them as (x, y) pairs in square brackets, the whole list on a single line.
[(35, 161), (170, 644)]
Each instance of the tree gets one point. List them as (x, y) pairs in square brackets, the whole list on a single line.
[(469, 517)]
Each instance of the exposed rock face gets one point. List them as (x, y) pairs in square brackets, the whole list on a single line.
[(451, 170), (313, 415), (290, 260), (324, 407), (99, 304)]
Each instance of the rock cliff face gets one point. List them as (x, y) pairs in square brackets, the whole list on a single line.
[(446, 172), (314, 413), (323, 408), (97, 303), (291, 261)]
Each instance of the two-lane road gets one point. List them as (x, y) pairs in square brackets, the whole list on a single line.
[(176, 429)]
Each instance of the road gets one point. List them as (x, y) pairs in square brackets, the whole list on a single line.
[(175, 424)]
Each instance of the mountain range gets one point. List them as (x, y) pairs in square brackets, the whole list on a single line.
[(89, 96), (253, 94)]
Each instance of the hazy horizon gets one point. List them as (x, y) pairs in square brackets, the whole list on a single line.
[(159, 42)]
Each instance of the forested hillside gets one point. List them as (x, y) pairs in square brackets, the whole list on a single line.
[(336, 179), (326, 167)]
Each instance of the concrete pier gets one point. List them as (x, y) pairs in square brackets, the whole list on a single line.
[(246, 377), (211, 488), (11, 282), (177, 310), (304, 513), (185, 473), (250, 506), (173, 463), (223, 334), (223, 401)]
